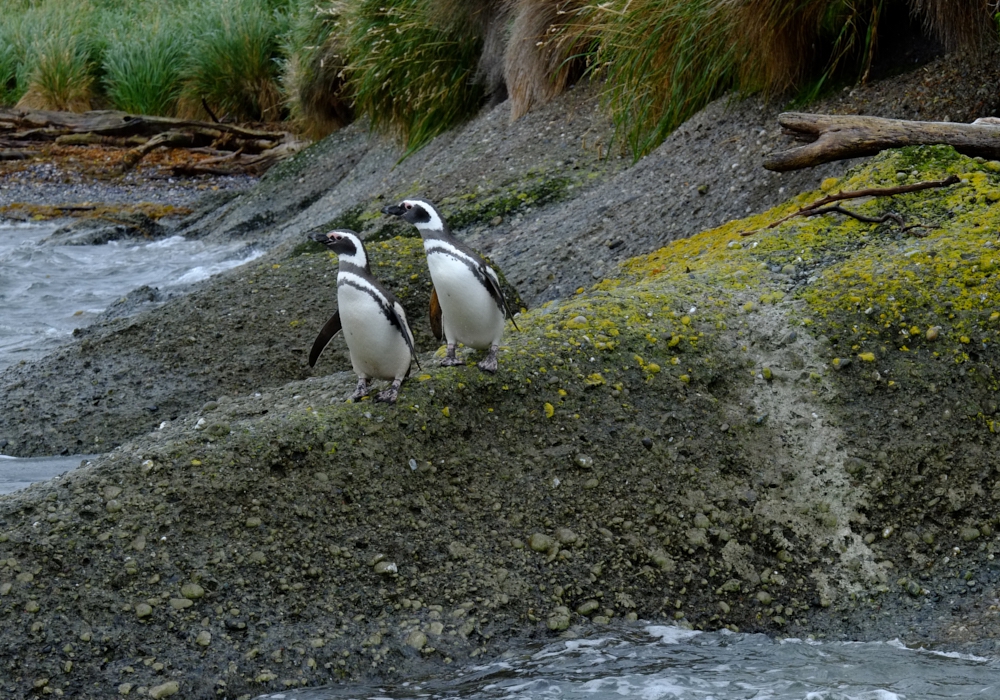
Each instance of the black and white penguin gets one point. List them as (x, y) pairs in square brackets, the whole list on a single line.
[(467, 297), (374, 324)]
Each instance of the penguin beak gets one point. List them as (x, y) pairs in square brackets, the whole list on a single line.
[(320, 238), (393, 210)]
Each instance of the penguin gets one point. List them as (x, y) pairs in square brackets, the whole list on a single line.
[(467, 301), (374, 324)]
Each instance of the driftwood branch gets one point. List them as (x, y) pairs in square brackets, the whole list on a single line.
[(820, 205), (146, 133), (837, 137)]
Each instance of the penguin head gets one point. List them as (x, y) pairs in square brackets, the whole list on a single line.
[(418, 212), (346, 244)]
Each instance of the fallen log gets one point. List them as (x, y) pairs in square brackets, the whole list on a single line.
[(838, 137), (146, 133)]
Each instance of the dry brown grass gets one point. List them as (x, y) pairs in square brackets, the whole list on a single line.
[(544, 52), (959, 24)]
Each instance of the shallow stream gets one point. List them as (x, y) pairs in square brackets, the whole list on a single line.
[(47, 291)]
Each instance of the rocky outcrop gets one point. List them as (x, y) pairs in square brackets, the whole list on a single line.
[(791, 431)]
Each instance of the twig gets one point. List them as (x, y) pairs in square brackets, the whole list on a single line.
[(836, 208), (810, 209)]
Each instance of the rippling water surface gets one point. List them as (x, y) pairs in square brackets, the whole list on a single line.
[(47, 291), (657, 662)]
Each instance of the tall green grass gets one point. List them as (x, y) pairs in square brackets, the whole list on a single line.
[(144, 67), (233, 57), (412, 71), (55, 46)]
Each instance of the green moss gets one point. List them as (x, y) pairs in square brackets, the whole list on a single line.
[(532, 189)]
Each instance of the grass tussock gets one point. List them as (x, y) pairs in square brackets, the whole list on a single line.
[(549, 42), (232, 62), (55, 49), (412, 70), (312, 75), (143, 68)]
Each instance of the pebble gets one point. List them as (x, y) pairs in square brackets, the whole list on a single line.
[(587, 607), (584, 461), (541, 543), (559, 619), (180, 603), (164, 691), (416, 639), (192, 591), (143, 610), (764, 598), (204, 638), (566, 536), (386, 568)]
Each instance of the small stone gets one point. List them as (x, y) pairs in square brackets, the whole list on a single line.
[(253, 522), (125, 688), (724, 607), (143, 610), (180, 603), (647, 443), (591, 484), (6, 588), (587, 607), (784, 556), (970, 533), (584, 461), (113, 506), (192, 591), (204, 638), (32, 606), (566, 536), (385, 567), (913, 588), (559, 619), (139, 543), (218, 429), (764, 598), (932, 333), (164, 691), (701, 520), (541, 543), (416, 639)]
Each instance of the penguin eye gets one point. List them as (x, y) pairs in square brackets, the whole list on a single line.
[(408, 206)]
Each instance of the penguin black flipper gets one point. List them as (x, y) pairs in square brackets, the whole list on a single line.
[(493, 286), (435, 314), (396, 317), (332, 328)]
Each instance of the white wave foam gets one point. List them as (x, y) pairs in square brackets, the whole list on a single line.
[(668, 634)]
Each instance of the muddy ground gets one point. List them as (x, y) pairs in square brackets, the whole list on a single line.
[(726, 433)]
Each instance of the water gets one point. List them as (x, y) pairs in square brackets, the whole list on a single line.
[(16, 474), (667, 663), (46, 291)]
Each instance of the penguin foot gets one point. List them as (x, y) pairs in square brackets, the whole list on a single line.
[(449, 359), (489, 363), (391, 394), (360, 391)]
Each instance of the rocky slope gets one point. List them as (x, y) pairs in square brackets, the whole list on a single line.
[(789, 430)]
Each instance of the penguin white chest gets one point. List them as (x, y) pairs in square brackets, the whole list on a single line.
[(378, 348), (469, 314)]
